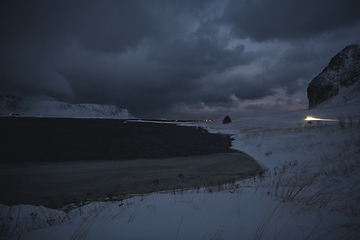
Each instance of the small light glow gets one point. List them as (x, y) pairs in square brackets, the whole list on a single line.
[(318, 119)]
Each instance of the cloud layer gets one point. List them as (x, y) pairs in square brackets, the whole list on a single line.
[(175, 59)]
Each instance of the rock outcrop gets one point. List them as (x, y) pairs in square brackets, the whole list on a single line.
[(343, 71), (226, 120)]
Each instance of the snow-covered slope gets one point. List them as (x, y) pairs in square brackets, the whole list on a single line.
[(342, 72), (311, 191), (46, 106), (346, 96)]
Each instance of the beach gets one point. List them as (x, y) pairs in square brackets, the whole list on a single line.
[(54, 162)]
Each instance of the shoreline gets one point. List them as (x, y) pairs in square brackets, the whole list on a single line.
[(201, 157), (56, 185)]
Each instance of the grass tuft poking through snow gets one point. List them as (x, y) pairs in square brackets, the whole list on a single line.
[(311, 190)]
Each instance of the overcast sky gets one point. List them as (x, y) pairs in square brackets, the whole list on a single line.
[(192, 59)]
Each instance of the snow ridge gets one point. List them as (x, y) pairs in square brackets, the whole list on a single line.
[(47, 106)]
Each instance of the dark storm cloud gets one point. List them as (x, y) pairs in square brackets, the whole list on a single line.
[(155, 57), (97, 25), (264, 20)]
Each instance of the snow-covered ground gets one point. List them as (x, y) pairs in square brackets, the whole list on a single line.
[(310, 191), (43, 106)]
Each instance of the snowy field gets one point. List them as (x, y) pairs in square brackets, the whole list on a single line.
[(310, 191)]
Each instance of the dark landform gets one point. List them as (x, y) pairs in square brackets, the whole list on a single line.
[(226, 120), (343, 71)]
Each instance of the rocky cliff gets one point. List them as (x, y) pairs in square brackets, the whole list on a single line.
[(343, 72)]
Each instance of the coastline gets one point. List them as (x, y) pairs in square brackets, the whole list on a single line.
[(135, 156), (56, 185)]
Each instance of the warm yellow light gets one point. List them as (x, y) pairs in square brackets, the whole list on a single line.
[(318, 119)]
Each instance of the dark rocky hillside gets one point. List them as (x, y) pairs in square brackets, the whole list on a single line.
[(343, 71)]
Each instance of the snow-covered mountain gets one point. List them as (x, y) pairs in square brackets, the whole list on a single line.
[(346, 96), (339, 82), (47, 106)]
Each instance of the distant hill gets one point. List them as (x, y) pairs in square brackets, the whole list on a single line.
[(47, 106), (339, 82)]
